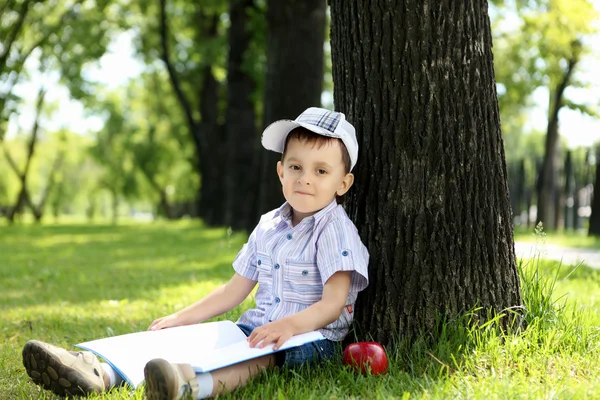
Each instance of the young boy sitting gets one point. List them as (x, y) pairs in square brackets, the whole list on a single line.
[(306, 257)]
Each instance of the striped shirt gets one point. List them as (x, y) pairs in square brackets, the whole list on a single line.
[(292, 264)]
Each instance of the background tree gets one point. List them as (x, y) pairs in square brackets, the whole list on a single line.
[(294, 81), (62, 34), (541, 49), (208, 51), (431, 196), (118, 176), (594, 228), (23, 197)]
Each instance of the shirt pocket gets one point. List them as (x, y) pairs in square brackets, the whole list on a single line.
[(264, 265), (302, 282)]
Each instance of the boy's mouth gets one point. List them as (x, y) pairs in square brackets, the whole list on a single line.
[(303, 193)]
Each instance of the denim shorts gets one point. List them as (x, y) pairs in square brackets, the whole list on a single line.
[(313, 352)]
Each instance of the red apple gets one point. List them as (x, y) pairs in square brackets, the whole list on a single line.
[(366, 356)]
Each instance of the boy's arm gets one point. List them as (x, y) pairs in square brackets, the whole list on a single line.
[(217, 302), (318, 315)]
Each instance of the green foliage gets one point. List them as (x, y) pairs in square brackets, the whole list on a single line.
[(76, 177), (63, 35), (144, 149), (534, 41), (196, 38), (73, 176)]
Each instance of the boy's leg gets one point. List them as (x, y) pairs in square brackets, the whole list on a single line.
[(66, 373), (227, 379), (165, 381)]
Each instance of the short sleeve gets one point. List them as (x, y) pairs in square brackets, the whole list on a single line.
[(245, 261), (339, 248)]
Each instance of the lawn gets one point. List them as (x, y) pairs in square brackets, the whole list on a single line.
[(578, 238), (71, 283)]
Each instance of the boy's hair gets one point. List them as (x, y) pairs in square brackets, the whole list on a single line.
[(305, 135)]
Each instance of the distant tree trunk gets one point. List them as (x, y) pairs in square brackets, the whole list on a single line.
[(205, 131), (559, 197), (90, 211), (39, 209), (519, 194), (23, 200), (114, 206), (594, 228), (546, 208), (294, 81), (240, 124), (431, 196), (569, 195), (23, 197)]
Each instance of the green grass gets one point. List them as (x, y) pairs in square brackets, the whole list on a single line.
[(560, 238), (70, 283)]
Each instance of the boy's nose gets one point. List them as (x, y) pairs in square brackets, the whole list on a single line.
[(302, 180)]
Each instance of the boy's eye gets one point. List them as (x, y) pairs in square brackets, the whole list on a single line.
[(321, 171), (294, 167)]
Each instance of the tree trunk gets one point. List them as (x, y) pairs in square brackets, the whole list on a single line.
[(594, 228), (115, 206), (204, 131), (519, 194), (240, 123), (294, 81), (568, 194), (23, 199), (431, 196), (546, 209)]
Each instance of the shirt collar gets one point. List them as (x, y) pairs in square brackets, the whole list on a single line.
[(285, 212)]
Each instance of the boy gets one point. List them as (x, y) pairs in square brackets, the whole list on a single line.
[(306, 257)]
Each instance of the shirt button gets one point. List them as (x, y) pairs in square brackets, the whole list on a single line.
[(259, 262), (344, 253), (276, 266), (305, 272), (277, 299), (289, 236)]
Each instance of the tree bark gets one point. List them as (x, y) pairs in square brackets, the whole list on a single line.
[(431, 196), (240, 123), (294, 81)]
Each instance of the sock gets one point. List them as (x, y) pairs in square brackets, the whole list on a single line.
[(205, 385), (115, 379)]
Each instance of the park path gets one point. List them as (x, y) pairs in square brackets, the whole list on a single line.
[(568, 255)]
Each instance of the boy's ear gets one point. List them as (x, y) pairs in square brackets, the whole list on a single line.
[(346, 184), (280, 171)]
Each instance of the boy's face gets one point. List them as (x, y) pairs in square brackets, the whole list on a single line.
[(312, 176)]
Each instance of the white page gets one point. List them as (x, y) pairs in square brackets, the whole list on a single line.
[(128, 354), (241, 351)]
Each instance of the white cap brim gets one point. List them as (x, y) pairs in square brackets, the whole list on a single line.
[(274, 135)]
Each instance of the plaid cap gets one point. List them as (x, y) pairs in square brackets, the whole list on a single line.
[(326, 119), (318, 120)]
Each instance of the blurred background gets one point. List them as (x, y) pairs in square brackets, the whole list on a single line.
[(153, 109)]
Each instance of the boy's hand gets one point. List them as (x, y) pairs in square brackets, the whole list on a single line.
[(274, 332), (165, 322)]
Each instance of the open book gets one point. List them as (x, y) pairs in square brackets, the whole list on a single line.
[(205, 347)]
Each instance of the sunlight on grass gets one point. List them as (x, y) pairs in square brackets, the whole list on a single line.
[(565, 239), (70, 283)]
